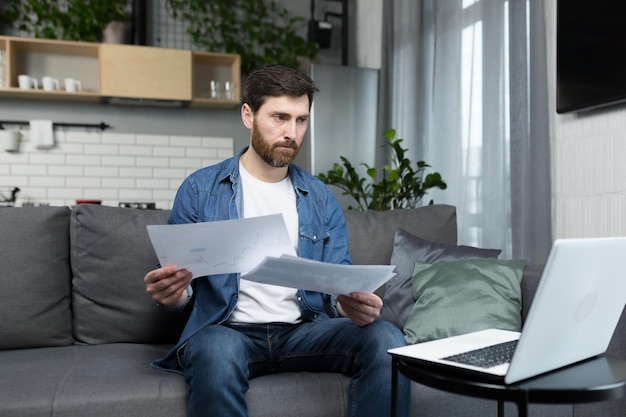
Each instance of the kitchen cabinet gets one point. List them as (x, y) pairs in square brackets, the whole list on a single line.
[(145, 72), (128, 73)]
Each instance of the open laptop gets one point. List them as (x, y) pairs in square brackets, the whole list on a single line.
[(578, 303)]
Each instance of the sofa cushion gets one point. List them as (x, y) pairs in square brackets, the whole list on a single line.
[(108, 380), (302, 394), (407, 249), (111, 253), (463, 296), (371, 233), (114, 380), (36, 277)]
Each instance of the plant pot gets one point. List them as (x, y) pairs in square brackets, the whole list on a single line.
[(10, 140), (115, 32)]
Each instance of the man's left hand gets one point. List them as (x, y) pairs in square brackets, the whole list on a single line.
[(362, 308)]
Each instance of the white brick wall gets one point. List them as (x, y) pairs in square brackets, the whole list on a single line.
[(589, 180), (112, 167), (588, 163)]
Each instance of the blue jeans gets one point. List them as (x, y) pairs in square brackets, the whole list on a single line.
[(219, 361)]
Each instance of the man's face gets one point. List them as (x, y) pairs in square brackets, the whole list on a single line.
[(278, 129)]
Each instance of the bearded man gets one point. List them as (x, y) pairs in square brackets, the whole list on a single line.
[(238, 329)]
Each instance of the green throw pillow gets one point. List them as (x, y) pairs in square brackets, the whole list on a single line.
[(463, 296)]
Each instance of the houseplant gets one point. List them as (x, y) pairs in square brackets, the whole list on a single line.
[(402, 185), (77, 20), (260, 31)]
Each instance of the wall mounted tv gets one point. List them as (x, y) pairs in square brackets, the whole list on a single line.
[(590, 54)]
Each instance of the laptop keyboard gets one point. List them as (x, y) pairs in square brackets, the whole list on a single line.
[(486, 357)]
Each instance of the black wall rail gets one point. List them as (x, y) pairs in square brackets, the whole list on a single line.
[(101, 125)]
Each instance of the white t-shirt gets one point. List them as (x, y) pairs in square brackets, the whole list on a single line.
[(263, 303)]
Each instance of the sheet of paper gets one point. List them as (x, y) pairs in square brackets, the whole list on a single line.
[(221, 247), (294, 272)]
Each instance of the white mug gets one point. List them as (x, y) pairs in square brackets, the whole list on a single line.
[(26, 82), (10, 140), (49, 83), (72, 85)]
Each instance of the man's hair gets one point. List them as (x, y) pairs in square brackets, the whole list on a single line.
[(276, 81)]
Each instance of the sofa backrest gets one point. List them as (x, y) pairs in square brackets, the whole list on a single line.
[(371, 233), (35, 277), (76, 275)]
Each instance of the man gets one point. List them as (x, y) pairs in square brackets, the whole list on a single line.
[(238, 329)]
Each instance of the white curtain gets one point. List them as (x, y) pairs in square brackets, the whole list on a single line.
[(448, 89)]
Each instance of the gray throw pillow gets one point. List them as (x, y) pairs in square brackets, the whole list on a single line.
[(464, 296), (111, 253), (407, 249), (36, 277)]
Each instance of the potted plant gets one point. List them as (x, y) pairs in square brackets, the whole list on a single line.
[(260, 31), (402, 185), (77, 20)]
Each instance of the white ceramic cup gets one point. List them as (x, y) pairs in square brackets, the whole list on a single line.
[(10, 140), (73, 85), (26, 82), (49, 83)]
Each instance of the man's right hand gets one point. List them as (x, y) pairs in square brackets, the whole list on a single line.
[(168, 285)]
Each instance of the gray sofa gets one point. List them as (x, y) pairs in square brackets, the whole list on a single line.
[(78, 331)]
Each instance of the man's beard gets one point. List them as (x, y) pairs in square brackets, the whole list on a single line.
[(275, 155)]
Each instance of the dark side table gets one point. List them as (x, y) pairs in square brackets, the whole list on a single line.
[(599, 379)]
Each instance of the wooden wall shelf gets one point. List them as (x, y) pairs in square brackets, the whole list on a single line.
[(122, 71)]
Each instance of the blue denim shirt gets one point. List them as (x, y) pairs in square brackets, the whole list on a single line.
[(214, 193)]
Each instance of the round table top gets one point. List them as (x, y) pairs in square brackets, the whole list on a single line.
[(598, 379)]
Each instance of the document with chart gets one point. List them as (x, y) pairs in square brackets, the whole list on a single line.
[(306, 274), (221, 247), (260, 249)]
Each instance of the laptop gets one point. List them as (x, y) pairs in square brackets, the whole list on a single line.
[(579, 300)]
